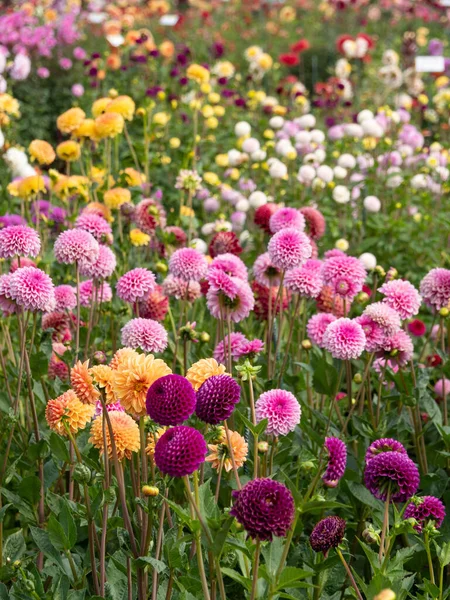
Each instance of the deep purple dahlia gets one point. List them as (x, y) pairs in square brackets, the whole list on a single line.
[(384, 445), (180, 451), (425, 509), (337, 461), (217, 398), (170, 400), (264, 508), (328, 533), (394, 471)]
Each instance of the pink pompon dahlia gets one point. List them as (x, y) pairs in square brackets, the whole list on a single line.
[(95, 225), (393, 471), (402, 296), (286, 217), (66, 298), (281, 409), (344, 339), (306, 280), (74, 246), (265, 271), (384, 316), (180, 451), (146, 334), (289, 248), (188, 264), (135, 285), (315, 222), (251, 348), (181, 289), (7, 304), (91, 291), (32, 290), (235, 341), (384, 445), (435, 288), (170, 400), (398, 348), (374, 333), (337, 461), (232, 265), (344, 274), (237, 301), (424, 510), (19, 240), (103, 267), (317, 326)]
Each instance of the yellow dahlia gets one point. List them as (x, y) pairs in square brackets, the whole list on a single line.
[(41, 151), (68, 151), (30, 186), (202, 370), (152, 438), (220, 452), (139, 238), (115, 197), (125, 431), (133, 378), (99, 106), (197, 73), (9, 105), (103, 377), (81, 381), (67, 408), (86, 129), (108, 125), (121, 357), (70, 120), (123, 105), (133, 177), (99, 208)]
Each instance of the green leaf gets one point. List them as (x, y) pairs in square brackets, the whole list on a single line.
[(443, 554), (291, 575), (3, 510), (220, 537), (157, 565), (38, 364), (325, 378), (14, 547), (67, 521), (319, 506), (62, 530), (362, 494), (30, 489), (4, 594), (58, 447), (256, 430), (42, 540), (232, 574), (272, 555)]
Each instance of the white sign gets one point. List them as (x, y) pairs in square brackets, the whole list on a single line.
[(430, 64), (169, 20)]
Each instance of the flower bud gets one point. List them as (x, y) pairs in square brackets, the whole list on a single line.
[(113, 93), (205, 337), (386, 595), (140, 112), (151, 491), (380, 271), (444, 312), (161, 267), (99, 357), (82, 473), (370, 536), (263, 446), (362, 297), (306, 345), (357, 378)]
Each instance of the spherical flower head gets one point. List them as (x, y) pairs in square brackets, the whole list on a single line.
[(281, 409), (181, 289), (345, 274), (149, 215), (385, 316), (442, 388), (251, 348), (70, 120), (19, 240), (146, 334), (224, 242), (103, 267), (220, 452), (375, 334), (417, 328), (307, 280), (315, 222), (116, 197), (103, 377), (188, 264), (125, 431), (265, 271), (399, 348), (263, 214), (200, 371), (7, 304), (68, 411), (237, 301), (402, 296), (170, 400), (286, 217), (82, 384), (216, 399), (393, 471), (435, 288), (95, 225), (233, 342), (155, 305), (109, 125), (337, 461), (264, 507), (180, 451), (42, 152), (32, 290), (344, 339), (76, 245), (424, 510), (66, 298), (135, 285), (112, 407), (89, 290), (289, 248), (327, 534), (231, 265)]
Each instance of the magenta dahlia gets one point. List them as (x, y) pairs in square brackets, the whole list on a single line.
[(398, 348), (344, 274), (237, 300), (170, 400), (19, 240), (344, 339), (393, 471), (424, 510), (232, 265), (384, 445), (337, 461), (327, 534), (180, 451), (236, 341), (32, 290), (289, 248), (281, 409), (216, 399), (135, 285), (384, 316), (317, 326), (66, 298), (374, 333), (306, 280), (74, 246), (286, 217), (146, 334)]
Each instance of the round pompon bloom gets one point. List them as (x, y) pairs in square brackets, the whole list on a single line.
[(146, 334), (103, 267), (306, 280), (216, 399), (125, 431), (315, 222), (402, 296), (75, 245), (66, 298), (327, 534), (344, 339), (286, 217), (435, 288), (135, 285), (317, 326), (281, 409), (19, 240), (384, 316), (170, 400), (344, 274), (200, 371), (424, 510), (180, 451), (337, 461), (188, 264), (384, 445), (32, 290), (232, 265), (289, 248), (67, 410), (95, 225), (264, 508), (393, 471)]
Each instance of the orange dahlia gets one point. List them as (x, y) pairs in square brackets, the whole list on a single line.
[(70, 120), (99, 106), (202, 370), (81, 381), (68, 409), (125, 431), (220, 452), (103, 376), (152, 438), (41, 151), (108, 125), (121, 356), (123, 105)]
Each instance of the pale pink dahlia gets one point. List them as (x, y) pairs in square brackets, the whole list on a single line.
[(265, 272), (95, 225), (317, 326), (188, 264), (146, 334), (103, 267), (7, 304), (306, 280), (74, 246), (344, 274), (135, 285), (286, 217), (181, 289), (90, 292), (289, 248), (236, 341), (399, 347), (281, 409), (435, 288), (344, 339), (238, 305), (66, 298), (402, 296), (19, 240), (385, 316), (231, 264), (32, 290), (374, 333)]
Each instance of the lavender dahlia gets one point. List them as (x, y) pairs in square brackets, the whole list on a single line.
[(393, 471), (424, 510), (328, 533), (337, 461), (170, 400), (264, 508), (180, 451), (216, 399)]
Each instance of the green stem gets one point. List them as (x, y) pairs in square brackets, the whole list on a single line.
[(426, 541), (254, 593), (349, 573)]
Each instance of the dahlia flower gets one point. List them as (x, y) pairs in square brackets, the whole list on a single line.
[(125, 432), (265, 272), (200, 371), (384, 316), (289, 248), (393, 471), (337, 461), (281, 409), (344, 339), (81, 381), (424, 510), (66, 298), (286, 217), (180, 451), (435, 288), (327, 534), (220, 452), (188, 264), (68, 410), (402, 296), (217, 398), (146, 334), (237, 304), (19, 240), (95, 225), (344, 274), (232, 265), (170, 400), (103, 267), (306, 280), (32, 290), (76, 245), (135, 285)]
